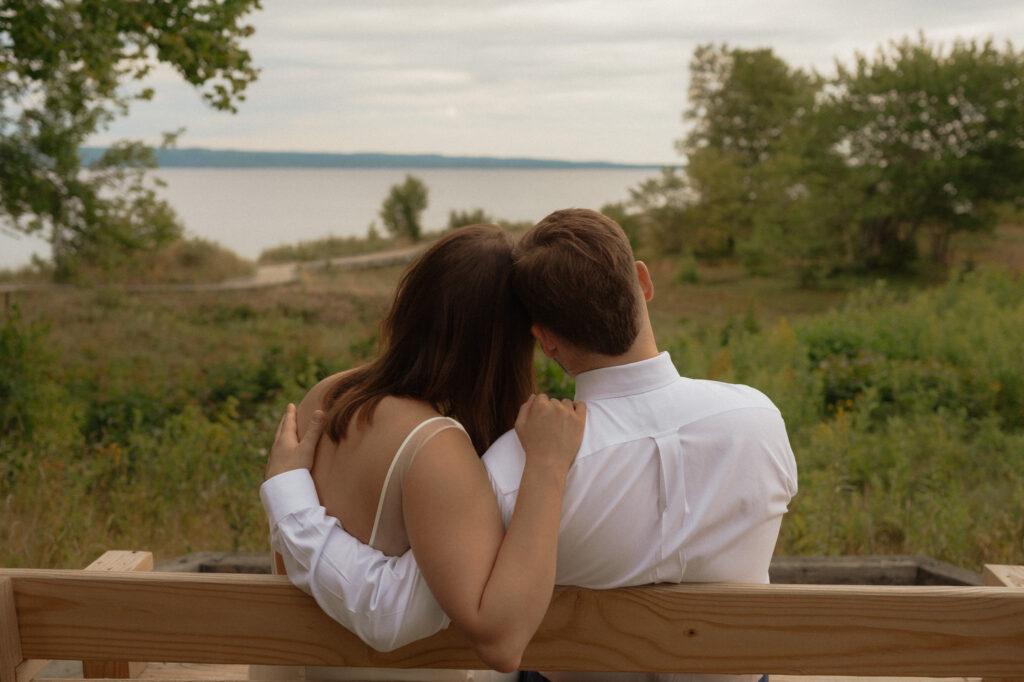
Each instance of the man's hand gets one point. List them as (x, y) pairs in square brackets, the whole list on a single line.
[(288, 452)]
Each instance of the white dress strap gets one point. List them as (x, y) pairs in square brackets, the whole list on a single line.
[(400, 464)]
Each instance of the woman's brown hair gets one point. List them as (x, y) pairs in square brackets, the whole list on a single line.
[(456, 337)]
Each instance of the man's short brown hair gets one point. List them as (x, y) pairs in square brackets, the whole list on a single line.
[(576, 275)]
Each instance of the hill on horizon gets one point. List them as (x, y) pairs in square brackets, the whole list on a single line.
[(197, 157)]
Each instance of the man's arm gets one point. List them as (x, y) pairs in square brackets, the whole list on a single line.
[(384, 600)]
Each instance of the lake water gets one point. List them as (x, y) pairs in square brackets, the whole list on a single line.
[(248, 210)]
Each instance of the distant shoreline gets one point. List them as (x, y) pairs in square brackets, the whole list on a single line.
[(229, 158)]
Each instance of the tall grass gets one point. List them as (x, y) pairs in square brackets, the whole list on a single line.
[(141, 420), (328, 247), (907, 417)]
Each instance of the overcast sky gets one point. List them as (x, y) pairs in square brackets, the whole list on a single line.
[(580, 79)]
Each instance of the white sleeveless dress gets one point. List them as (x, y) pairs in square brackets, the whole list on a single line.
[(389, 536)]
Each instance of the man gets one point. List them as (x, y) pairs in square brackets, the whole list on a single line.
[(677, 480)]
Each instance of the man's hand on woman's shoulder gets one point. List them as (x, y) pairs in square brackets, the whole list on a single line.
[(289, 452)]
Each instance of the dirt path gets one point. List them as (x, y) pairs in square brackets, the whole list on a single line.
[(274, 275)]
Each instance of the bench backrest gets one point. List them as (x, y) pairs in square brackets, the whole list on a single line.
[(794, 629)]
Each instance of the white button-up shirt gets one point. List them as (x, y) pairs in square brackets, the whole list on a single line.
[(677, 480)]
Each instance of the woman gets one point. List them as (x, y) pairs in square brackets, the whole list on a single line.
[(398, 471)]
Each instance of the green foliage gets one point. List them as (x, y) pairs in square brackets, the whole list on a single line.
[(931, 142), (688, 269), (475, 216), (402, 208), (743, 192), (23, 367), (748, 109), (911, 146), (948, 349), (744, 103), (123, 492), (907, 417), (661, 219), (67, 70), (151, 413), (629, 220), (182, 261), (932, 483), (150, 420), (551, 378), (328, 247)]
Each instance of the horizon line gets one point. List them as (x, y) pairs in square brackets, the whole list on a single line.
[(202, 156)]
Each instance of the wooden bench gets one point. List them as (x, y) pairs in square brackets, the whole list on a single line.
[(109, 615)]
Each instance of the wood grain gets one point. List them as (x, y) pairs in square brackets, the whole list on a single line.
[(117, 561), (122, 560), (10, 638), (1000, 575), (1009, 576), (785, 629), (29, 668)]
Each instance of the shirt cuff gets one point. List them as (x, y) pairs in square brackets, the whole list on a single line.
[(288, 493)]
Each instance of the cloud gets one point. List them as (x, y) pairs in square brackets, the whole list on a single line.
[(579, 79)]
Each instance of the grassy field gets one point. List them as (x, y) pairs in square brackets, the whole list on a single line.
[(132, 420)]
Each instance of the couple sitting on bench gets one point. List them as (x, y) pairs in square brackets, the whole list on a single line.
[(648, 477)]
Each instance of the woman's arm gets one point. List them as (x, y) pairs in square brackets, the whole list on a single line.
[(384, 600), (494, 584)]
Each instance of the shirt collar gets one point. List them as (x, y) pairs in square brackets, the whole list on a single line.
[(623, 380)]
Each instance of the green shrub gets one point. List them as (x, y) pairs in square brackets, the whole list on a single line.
[(687, 272), (551, 378), (151, 416), (328, 247), (916, 444), (24, 359), (468, 217)]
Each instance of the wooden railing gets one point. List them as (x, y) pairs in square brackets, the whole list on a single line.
[(108, 616)]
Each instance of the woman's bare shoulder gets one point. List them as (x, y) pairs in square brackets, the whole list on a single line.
[(405, 408), (395, 411), (314, 398)]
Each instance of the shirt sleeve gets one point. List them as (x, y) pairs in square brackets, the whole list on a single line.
[(382, 599), (505, 461)]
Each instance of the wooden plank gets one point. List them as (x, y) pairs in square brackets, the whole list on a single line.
[(30, 668), (1000, 575), (199, 671), (196, 672), (121, 670), (785, 629), (122, 560), (114, 560), (840, 678), (117, 561), (10, 637)]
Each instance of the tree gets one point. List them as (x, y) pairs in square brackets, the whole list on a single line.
[(931, 140), (662, 203), (68, 71), (744, 103), (747, 108), (916, 141), (401, 209), (629, 220)]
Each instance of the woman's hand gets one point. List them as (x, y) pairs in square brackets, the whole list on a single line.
[(551, 431), (288, 452)]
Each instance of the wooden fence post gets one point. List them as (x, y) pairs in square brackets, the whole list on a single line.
[(10, 638), (996, 575), (117, 561)]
